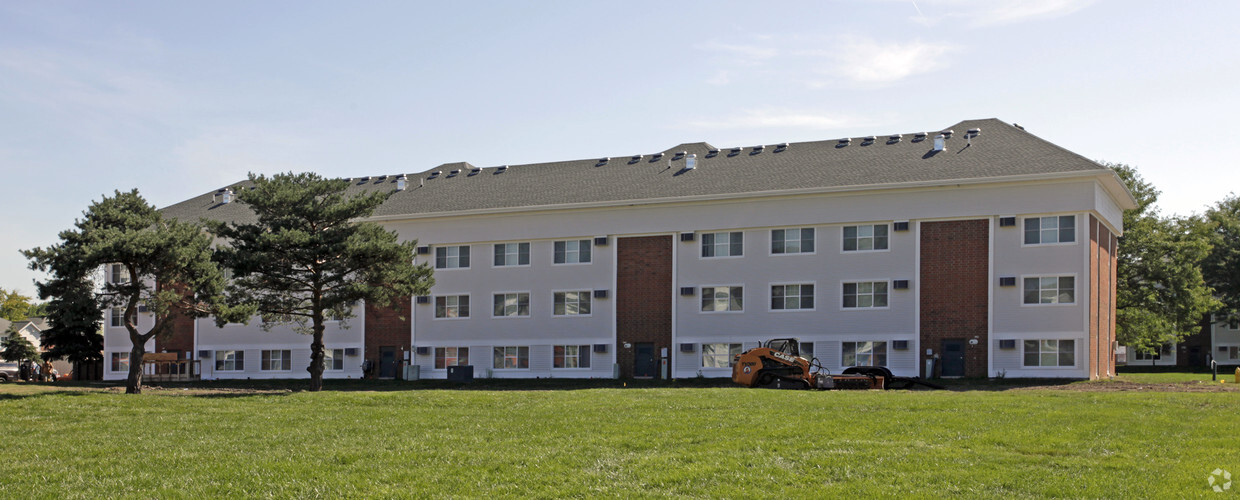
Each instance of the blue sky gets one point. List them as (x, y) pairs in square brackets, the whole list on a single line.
[(178, 98)]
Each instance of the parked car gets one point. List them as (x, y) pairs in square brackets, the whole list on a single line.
[(9, 372)]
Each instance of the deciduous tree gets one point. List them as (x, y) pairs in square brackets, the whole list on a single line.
[(1220, 226), (14, 306), (167, 267), (308, 256), (1161, 295)]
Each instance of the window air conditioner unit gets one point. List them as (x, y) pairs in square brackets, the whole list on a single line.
[(1007, 344), (687, 236), (600, 241), (423, 351), (900, 226), (899, 345), (204, 354), (687, 347), (1007, 281), (350, 351), (424, 250), (600, 348), (688, 290), (424, 299), (600, 294), (900, 284), (1007, 221)]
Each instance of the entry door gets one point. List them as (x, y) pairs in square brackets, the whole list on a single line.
[(953, 358), (387, 362), (643, 359)]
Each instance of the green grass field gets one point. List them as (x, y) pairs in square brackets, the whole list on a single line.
[(699, 441)]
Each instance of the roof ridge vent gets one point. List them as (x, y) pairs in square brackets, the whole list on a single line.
[(781, 147), (735, 151), (501, 169), (712, 153), (844, 142), (894, 138)]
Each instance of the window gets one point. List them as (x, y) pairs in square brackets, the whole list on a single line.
[(1060, 229), (784, 241), (719, 355), (1050, 352), (865, 238), (229, 361), (451, 356), (807, 350), (452, 257), (570, 356), (572, 303), (452, 306), (118, 274), (333, 359), (1163, 350), (722, 298), (723, 244), (118, 314), (1050, 290), (278, 360), (865, 294), (512, 254), (512, 358), (792, 297), (1233, 352), (512, 304), (865, 354), (572, 252), (120, 361)]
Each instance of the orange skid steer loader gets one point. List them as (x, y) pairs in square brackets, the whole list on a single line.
[(778, 365)]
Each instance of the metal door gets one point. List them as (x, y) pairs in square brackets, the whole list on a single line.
[(953, 358), (643, 359)]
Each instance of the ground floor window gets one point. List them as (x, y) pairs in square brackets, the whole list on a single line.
[(451, 356), (1050, 352), (333, 359), (512, 358), (864, 353), (1163, 350), (1233, 352), (229, 361), (120, 361), (719, 355), (571, 356), (277, 360)]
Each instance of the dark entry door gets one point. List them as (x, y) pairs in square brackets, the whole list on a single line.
[(643, 359), (953, 358), (387, 362)]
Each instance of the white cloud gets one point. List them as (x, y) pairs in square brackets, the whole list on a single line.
[(872, 62), (754, 119)]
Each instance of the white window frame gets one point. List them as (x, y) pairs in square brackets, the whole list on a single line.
[(448, 258), (517, 297), (714, 236), (118, 361), (1058, 218), (118, 274), (221, 361), (587, 243), (116, 317), (331, 357), (517, 254), (1024, 353), (1040, 277), (712, 360), (844, 229), (267, 358), (873, 346), (589, 297), (441, 353), (732, 290), (800, 241), (1233, 352), (446, 296), (770, 296), (582, 352), (859, 282), (517, 356)]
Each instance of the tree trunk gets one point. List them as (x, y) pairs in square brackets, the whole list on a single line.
[(134, 385), (316, 354)]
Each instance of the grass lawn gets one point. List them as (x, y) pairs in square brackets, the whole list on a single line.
[(696, 439)]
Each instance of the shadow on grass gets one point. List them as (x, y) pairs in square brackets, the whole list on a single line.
[(8, 396)]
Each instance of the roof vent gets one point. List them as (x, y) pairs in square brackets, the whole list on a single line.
[(712, 153), (781, 147), (974, 132), (501, 168), (364, 179), (691, 162), (434, 174), (735, 151), (656, 157), (868, 138), (401, 183), (454, 172), (474, 171), (894, 138), (920, 136), (758, 149), (679, 155), (947, 134), (603, 161), (938, 142), (228, 197), (635, 159), (844, 142)]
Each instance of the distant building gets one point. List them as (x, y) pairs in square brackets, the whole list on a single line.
[(981, 246)]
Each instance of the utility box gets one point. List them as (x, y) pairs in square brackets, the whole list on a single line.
[(413, 372), (464, 373)]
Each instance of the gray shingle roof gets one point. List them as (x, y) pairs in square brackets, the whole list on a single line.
[(1002, 150)]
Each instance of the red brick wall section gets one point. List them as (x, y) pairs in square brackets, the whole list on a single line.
[(388, 326), (1095, 284), (1102, 261), (181, 338), (643, 296), (955, 266)]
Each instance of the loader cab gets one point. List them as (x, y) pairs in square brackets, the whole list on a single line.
[(790, 347)]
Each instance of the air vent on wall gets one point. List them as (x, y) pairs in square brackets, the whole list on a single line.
[(688, 290), (600, 348), (600, 294), (423, 350), (899, 345), (900, 284), (1007, 344), (900, 226), (1007, 221), (688, 347), (424, 250), (1007, 281), (204, 354), (687, 236), (423, 299), (600, 241), (351, 351)]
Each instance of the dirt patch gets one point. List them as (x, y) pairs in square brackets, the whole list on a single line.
[(1118, 386), (190, 391)]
